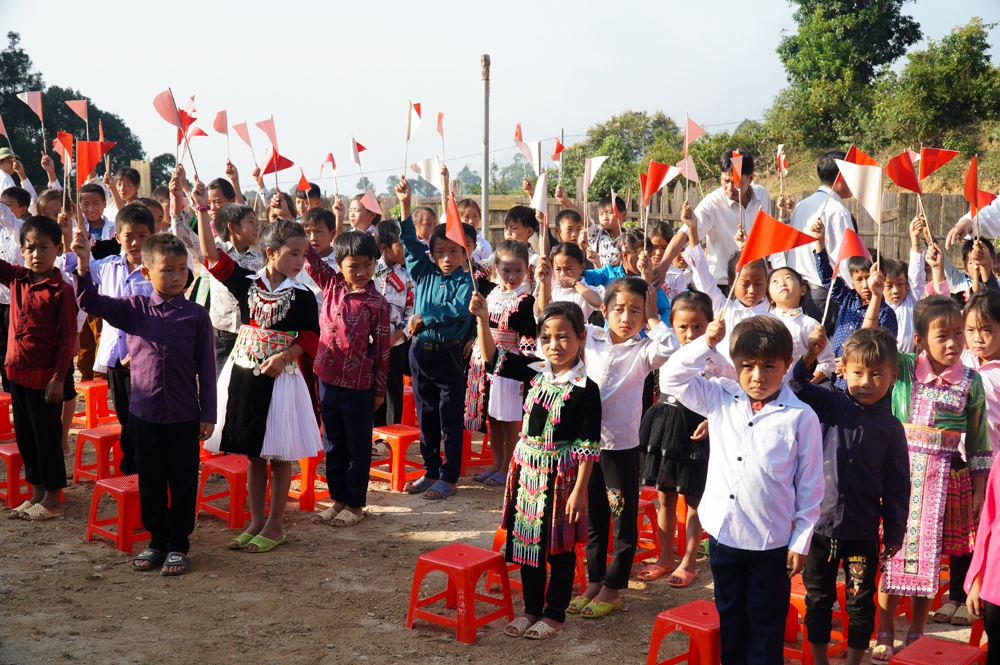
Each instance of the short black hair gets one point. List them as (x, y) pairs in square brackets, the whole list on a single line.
[(513, 248), (605, 202), (94, 188), (634, 285), (870, 347), (970, 243), (694, 301), (570, 249), (571, 216), (149, 203), (131, 174), (225, 187), (231, 213), (633, 241), (41, 225), (471, 235), (859, 264), (986, 305), (439, 234), (664, 230), (735, 259), (161, 193), (386, 233), (277, 234), (524, 215), (893, 268), (19, 194), (355, 243), (794, 273), (570, 311), (931, 309), (321, 216), (826, 167), (761, 338), (162, 244), (313, 192), (135, 214), (726, 161)]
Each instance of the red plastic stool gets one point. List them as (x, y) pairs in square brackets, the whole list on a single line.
[(10, 489), (125, 491), (6, 421), (95, 399), (409, 406), (394, 468), (234, 469), (484, 457), (932, 651), (700, 621), (307, 494), (205, 455), (648, 530), (797, 614), (106, 441), (464, 566), (500, 539), (976, 636)]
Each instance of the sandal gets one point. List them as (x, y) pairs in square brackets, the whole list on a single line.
[(703, 547), (541, 631), (175, 559), (443, 489), (38, 512), (577, 604), (381, 449), (883, 653), (15, 513), (517, 627), (912, 637), (962, 617), (481, 478), (263, 544), (346, 518), (154, 557), (420, 486), (944, 613), (599, 609), (498, 479), (325, 516), (652, 572), (684, 576), (240, 541)]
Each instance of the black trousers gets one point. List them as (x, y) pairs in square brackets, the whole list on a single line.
[(613, 496), (38, 427), (120, 385), (166, 456), (752, 589), (549, 601), (439, 395), (991, 623), (5, 322), (391, 411), (347, 422), (860, 561)]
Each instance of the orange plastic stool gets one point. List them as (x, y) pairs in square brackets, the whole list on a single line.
[(307, 494), (409, 406), (464, 566), (649, 533), (484, 457), (234, 469), (394, 468), (106, 441), (125, 491), (797, 614), (500, 539), (205, 455), (407, 380), (700, 621), (6, 421), (932, 651), (10, 489), (95, 399)]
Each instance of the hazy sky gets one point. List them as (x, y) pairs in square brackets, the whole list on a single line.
[(332, 68)]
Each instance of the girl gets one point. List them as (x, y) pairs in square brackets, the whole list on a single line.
[(360, 217), (566, 262), (675, 442), (677, 276), (261, 370), (469, 213), (545, 499), (622, 360), (938, 400), (787, 291), (512, 314)]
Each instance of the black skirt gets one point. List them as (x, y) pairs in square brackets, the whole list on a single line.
[(671, 460)]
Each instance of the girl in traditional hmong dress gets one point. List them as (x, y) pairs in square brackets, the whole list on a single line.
[(545, 500), (512, 317), (264, 408), (938, 400)]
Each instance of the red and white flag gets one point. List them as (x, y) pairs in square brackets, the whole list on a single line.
[(429, 170), (590, 167), (356, 150), (221, 122), (413, 120), (866, 184), (737, 168), (517, 133), (267, 126), (557, 149), (63, 145), (370, 201), (691, 133), (782, 160), (164, 105), (329, 160), (441, 125), (274, 162), (79, 107), (34, 102), (686, 168), (242, 131)]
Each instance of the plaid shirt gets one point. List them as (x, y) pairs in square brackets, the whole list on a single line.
[(396, 285)]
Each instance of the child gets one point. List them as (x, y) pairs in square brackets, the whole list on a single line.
[(938, 400), (982, 352), (787, 291), (172, 405), (394, 283), (905, 283), (361, 218), (633, 262), (352, 360), (119, 277), (220, 192), (306, 200), (469, 213), (765, 479), (39, 354), (867, 485), (512, 313), (10, 251), (604, 238), (559, 277), (92, 205), (18, 200), (622, 360), (320, 226), (264, 406), (440, 320), (124, 188), (676, 279), (545, 498), (424, 221), (676, 447)]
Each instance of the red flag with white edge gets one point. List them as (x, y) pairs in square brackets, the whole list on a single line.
[(692, 132), (901, 171), (430, 171), (267, 126), (736, 170), (614, 204), (413, 121), (453, 225), (441, 124), (865, 183), (654, 180), (63, 145), (686, 167), (79, 107), (540, 199), (187, 114), (329, 160), (914, 155), (100, 131), (88, 156), (557, 149), (782, 160), (972, 185), (851, 245), (517, 133), (769, 236), (931, 159), (221, 122), (356, 150), (672, 172), (34, 102), (242, 131), (164, 105), (303, 185), (370, 201), (591, 165), (274, 162), (196, 131)]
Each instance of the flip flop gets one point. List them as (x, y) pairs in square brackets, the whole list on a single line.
[(155, 558), (542, 631), (15, 513), (577, 604), (176, 559), (703, 547), (496, 480), (240, 541), (652, 572), (421, 486), (883, 653), (324, 517), (442, 488), (346, 518), (599, 609), (684, 576), (517, 627), (265, 544), (38, 512)]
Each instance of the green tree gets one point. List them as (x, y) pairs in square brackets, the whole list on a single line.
[(471, 182), (364, 184), (160, 169)]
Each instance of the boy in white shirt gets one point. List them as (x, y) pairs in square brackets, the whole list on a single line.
[(905, 284), (393, 281), (765, 480)]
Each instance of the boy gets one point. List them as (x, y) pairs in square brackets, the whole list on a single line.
[(351, 362), (978, 256), (38, 362), (320, 226), (394, 283), (18, 200), (765, 480), (92, 204), (117, 277), (172, 403), (905, 284), (867, 483), (443, 289), (604, 238), (124, 188), (307, 200), (424, 221)]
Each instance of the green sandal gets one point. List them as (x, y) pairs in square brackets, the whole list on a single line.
[(263, 544), (240, 541), (577, 605), (600, 609)]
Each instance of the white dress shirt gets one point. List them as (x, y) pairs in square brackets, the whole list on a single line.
[(801, 325), (6, 180), (558, 293), (398, 291), (719, 220), (989, 219), (112, 277), (917, 282), (10, 246), (483, 248), (620, 371), (837, 220), (765, 473)]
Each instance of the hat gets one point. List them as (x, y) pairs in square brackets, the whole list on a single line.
[(7, 153)]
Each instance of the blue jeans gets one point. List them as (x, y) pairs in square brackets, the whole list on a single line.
[(439, 395), (347, 424)]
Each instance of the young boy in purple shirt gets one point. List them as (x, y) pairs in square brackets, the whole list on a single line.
[(172, 353)]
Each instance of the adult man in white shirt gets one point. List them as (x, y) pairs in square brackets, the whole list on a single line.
[(826, 203), (7, 159), (988, 219), (719, 218)]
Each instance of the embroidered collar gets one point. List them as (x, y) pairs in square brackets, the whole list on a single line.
[(289, 283), (924, 373), (577, 376)]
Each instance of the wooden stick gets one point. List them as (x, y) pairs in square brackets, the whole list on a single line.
[(406, 146), (732, 290), (184, 133), (927, 226), (829, 292)]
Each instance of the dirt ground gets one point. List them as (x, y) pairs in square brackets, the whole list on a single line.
[(327, 596)]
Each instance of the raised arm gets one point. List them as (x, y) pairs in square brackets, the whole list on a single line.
[(543, 276), (234, 178), (206, 241), (683, 371)]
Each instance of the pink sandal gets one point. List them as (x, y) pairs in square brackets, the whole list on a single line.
[(684, 576)]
